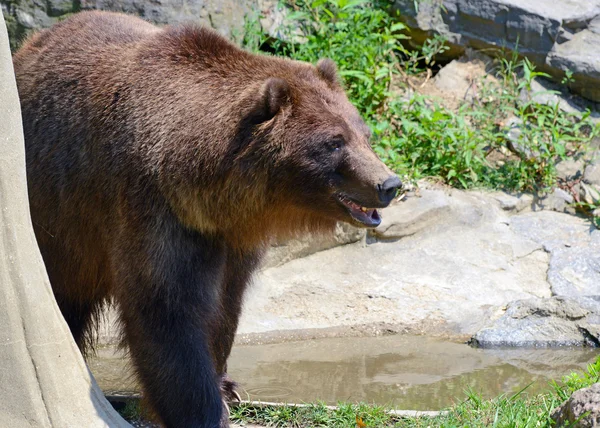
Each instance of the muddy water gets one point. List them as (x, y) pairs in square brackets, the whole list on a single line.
[(402, 371)]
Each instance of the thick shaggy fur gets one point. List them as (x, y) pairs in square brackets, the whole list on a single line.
[(161, 162)]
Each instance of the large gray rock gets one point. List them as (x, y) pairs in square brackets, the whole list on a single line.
[(283, 252), (556, 35), (559, 200), (439, 264), (573, 247), (412, 216), (581, 410), (578, 53), (557, 321), (570, 169), (447, 262), (44, 381), (591, 174)]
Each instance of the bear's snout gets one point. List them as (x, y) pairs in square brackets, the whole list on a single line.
[(387, 190)]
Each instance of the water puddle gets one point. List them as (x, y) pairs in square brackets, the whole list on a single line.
[(406, 372)]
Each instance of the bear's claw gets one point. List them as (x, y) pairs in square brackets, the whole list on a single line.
[(229, 389)]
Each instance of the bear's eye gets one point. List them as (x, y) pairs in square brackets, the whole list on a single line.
[(335, 144)]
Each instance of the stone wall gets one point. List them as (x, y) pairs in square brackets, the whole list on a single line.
[(556, 35)]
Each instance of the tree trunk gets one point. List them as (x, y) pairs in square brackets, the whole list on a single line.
[(44, 381)]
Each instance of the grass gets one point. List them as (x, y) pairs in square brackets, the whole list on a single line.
[(515, 410), (419, 137)]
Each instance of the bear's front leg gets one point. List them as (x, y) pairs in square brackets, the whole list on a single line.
[(168, 295), (240, 265)]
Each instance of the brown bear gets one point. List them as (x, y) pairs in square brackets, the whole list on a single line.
[(161, 163)]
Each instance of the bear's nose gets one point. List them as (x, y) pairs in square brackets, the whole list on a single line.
[(387, 190)]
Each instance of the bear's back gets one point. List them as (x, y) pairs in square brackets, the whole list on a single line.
[(65, 76), (115, 108), (89, 31)]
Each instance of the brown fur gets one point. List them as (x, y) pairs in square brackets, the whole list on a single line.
[(161, 163)]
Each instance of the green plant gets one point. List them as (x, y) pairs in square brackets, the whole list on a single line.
[(460, 147), (428, 140), (577, 380), (132, 410), (431, 48), (568, 79), (252, 37), (529, 74), (360, 37)]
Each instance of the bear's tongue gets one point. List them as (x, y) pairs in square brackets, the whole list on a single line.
[(367, 216)]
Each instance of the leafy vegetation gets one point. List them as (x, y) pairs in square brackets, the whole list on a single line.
[(415, 135), (516, 410)]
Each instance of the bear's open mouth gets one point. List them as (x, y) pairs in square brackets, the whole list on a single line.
[(366, 216)]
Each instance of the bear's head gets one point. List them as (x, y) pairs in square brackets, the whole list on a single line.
[(319, 146), (258, 147)]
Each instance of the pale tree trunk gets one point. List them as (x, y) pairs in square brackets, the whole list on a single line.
[(44, 381)]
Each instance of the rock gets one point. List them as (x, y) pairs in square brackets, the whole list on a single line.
[(513, 203), (570, 169), (425, 18), (44, 381), (577, 54), (543, 91), (581, 410), (556, 321), (282, 253), (591, 175), (575, 271), (443, 264), (573, 246), (275, 22), (60, 7), (515, 140), (559, 201), (594, 25), (272, 18), (25, 19), (445, 275), (513, 126), (555, 35), (223, 15), (589, 193), (413, 215), (553, 231), (460, 77)]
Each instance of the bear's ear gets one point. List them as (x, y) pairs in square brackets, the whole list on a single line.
[(328, 71), (274, 94)]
